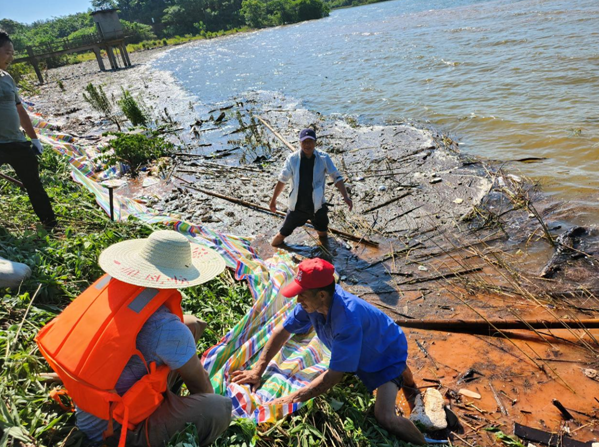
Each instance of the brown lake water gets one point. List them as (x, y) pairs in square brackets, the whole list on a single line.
[(508, 79)]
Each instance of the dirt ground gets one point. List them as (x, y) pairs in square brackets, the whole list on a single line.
[(437, 236)]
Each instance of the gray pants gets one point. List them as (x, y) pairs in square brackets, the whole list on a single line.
[(210, 413)]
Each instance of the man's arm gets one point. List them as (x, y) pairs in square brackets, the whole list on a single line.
[(338, 179), (341, 187), (278, 189), (318, 386), (195, 376), (279, 336), (26, 122)]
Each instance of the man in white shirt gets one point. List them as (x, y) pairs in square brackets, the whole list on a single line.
[(307, 169)]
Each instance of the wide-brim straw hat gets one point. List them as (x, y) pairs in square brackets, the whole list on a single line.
[(165, 260)]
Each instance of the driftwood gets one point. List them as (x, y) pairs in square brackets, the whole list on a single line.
[(277, 134), (439, 276), (388, 202), (482, 326), (498, 400), (550, 439), (564, 251), (427, 354), (343, 234), (565, 413), (237, 168)]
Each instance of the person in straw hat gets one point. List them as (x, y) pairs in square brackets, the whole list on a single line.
[(166, 260)]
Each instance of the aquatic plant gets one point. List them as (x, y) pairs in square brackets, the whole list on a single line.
[(132, 109), (136, 150), (97, 99)]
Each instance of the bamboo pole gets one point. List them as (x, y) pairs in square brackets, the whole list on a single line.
[(277, 134), (481, 326), (278, 213)]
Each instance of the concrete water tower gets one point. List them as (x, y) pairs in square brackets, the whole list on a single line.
[(108, 24), (112, 37)]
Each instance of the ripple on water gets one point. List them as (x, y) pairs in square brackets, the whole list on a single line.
[(510, 79)]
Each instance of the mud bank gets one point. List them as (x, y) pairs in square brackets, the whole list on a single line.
[(452, 238)]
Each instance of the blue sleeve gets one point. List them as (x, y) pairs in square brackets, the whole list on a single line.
[(346, 349), (298, 322), (175, 345)]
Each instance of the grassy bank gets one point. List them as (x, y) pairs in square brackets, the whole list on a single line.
[(64, 264)]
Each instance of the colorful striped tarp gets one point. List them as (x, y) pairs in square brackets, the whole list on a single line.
[(301, 360)]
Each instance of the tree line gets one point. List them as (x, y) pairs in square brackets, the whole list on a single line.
[(151, 19)]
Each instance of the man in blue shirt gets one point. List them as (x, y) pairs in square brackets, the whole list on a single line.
[(361, 338)]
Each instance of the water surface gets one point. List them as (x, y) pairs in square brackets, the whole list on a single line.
[(508, 79)]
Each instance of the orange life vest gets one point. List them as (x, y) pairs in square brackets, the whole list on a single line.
[(89, 344)]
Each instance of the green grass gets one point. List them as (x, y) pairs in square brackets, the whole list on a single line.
[(64, 264)]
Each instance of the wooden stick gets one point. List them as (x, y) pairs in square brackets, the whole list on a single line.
[(388, 202), (498, 400), (12, 180), (427, 354), (478, 326), (278, 213), (277, 134), (240, 168), (440, 276)]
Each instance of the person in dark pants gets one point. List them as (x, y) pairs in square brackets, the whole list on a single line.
[(15, 150), (307, 169)]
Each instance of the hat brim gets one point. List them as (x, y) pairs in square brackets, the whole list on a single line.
[(122, 261), (308, 137), (292, 290)]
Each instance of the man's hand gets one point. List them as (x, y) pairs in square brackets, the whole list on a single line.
[(37, 146), (250, 376), (289, 399), (273, 205), (349, 202)]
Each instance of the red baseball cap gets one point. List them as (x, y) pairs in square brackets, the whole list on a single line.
[(311, 274)]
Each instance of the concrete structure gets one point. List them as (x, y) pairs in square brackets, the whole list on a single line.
[(108, 24), (109, 37)]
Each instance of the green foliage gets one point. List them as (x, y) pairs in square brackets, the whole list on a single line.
[(137, 32), (254, 12), (510, 441), (136, 150), (96, 97), (132, 109), (263, 13)]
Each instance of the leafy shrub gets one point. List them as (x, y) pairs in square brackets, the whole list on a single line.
[(136, 150), (132, 110), (100, 103)]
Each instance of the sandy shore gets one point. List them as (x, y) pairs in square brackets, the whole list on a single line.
[(458, 239)]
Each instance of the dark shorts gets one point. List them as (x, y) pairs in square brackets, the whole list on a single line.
[(297, 218), (398, 381)]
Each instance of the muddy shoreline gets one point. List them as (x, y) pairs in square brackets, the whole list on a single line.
[(458, 238)]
